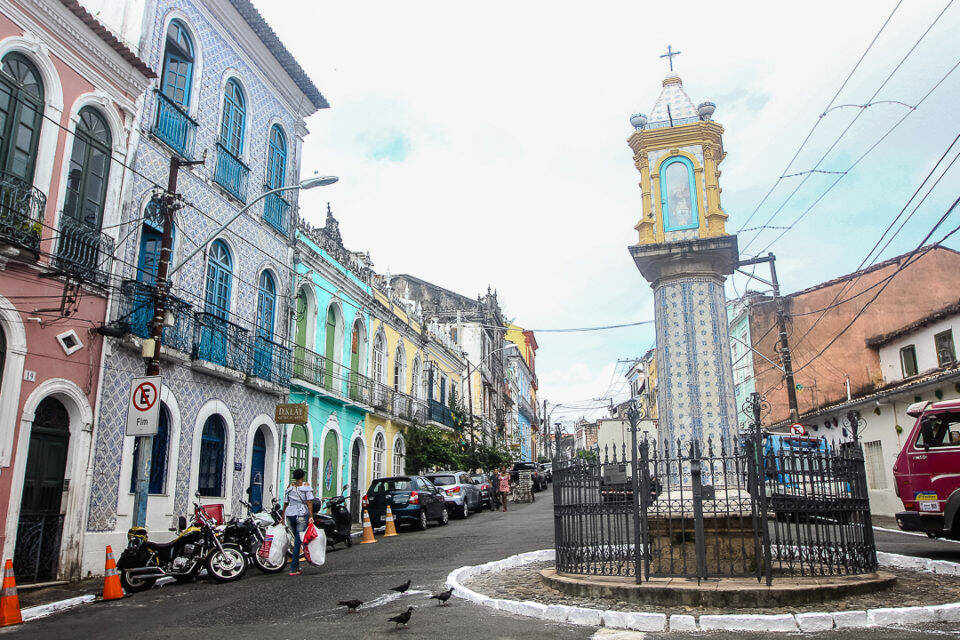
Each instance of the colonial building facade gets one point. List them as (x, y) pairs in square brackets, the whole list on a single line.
[(231, 94)]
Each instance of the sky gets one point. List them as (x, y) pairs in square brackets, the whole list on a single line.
[(485, 145)]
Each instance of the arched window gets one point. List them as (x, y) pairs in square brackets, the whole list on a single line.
[(299, 449), (331, 373), (379, 447), (678, 194), (277, 158), (355, 337), (21, 108), (219, 280), (89, 169), (212, 454), (178, 64), (399, 368), (379, 358), (399, 456), (266, 311), (158, 456), (416, 377), (234, 118)]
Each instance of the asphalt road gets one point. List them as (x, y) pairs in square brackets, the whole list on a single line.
[(281, 607)]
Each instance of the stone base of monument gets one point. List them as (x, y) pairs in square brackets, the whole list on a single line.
[(722, 592)]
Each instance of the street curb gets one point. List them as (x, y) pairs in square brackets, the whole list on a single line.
[(913, 533), (42, 610), (808, 622)]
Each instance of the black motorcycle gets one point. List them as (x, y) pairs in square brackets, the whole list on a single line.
[(248, 535), (337, 524), (143, 562)]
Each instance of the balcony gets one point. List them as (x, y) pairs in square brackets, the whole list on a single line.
[(270, 361), (337, 379), (83, 251), (219, 341), (408, 408), (135, 310), (275, 211), (21, 212), (174, 127), (441, 414), (231, 173)]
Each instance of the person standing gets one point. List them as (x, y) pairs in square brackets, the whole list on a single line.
[(503, 486), (298, 511)]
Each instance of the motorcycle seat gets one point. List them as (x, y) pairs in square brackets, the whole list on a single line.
[(159, 546)]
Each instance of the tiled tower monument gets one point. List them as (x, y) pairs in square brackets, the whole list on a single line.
[(685, 254)]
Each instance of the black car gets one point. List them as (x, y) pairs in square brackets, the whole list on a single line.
[(412, 499), (539, 480)]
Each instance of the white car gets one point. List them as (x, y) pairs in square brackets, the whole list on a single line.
[(461, 493)]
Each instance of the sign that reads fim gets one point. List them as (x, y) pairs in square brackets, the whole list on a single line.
[(291, 413)]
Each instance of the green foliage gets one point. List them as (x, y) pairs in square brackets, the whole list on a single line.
[(429, 447), (590, 456), (543, 459)]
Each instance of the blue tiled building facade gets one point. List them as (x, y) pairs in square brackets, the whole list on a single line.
[(239, 101)]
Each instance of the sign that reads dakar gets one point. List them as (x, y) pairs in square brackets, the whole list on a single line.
[(291, 413)]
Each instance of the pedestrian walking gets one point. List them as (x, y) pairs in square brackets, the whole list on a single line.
[(298, 511), (503, 486)]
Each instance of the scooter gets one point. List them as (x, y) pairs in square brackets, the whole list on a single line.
[(337, 524)]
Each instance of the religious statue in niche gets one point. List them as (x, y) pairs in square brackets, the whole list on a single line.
[(678, 197)]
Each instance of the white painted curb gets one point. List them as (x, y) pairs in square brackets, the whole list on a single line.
[(39, 611), (813, 621)]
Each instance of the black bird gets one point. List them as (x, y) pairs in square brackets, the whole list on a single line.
[(403, 618), (443, 596), (403, 587), (351, 605)]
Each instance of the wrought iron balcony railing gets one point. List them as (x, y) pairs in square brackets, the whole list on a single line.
[(339, 379), (275, 211), (84, 251), (220, 341), (270, 361), (408, 408), (174, 127), (441, 413), (231, 173), (21, 212), (135, 310)]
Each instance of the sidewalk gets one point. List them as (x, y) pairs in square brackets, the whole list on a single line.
[(54, 593)]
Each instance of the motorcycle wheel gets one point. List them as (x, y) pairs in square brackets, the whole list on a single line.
[(264, 564), (227, 566), (349, 540), (134, 584)]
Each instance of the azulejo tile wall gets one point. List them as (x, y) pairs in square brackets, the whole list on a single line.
[(695, 378)]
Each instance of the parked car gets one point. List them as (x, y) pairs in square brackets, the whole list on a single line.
[(487, 494), (925, 473), (461, 493), (412, 499), (539, 481)]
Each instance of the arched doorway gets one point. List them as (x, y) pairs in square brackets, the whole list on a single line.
[(41, 522), (258, 462), (331, 454), (356, 456)]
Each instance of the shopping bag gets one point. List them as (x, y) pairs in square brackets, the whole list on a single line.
[(315, 545), (277, 541)]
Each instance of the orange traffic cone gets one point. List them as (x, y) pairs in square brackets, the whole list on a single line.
[(391, 529), (111, 579), (9, 602), (367, 537)]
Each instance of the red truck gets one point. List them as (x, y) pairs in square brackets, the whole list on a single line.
[(927, 471)]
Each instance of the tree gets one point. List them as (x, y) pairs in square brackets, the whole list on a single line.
[(429, 447)]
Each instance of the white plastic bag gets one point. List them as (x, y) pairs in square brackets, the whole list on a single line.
[(277, 542), (315, 545)]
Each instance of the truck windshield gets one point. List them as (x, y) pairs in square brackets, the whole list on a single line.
[(940, 430)]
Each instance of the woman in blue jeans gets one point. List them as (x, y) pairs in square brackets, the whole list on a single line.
[(298, 511)]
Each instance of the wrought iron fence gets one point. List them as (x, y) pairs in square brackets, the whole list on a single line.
[(21, 212), (763, 506), (173, 126), (36, 557), (135, 311), (441, 413), (275, 209), (219, 341), (270, 361), (231, 173), (84, 250)]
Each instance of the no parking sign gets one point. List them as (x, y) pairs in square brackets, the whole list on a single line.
[(143, 410)]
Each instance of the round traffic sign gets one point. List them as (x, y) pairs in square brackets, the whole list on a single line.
[(145, 396), (797, 429)]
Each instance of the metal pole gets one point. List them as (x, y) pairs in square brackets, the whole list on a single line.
[(784, 346), (639, 537)]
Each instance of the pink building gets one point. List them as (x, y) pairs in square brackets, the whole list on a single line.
[(69, 93)]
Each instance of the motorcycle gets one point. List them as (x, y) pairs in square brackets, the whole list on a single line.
[(198, 546), (337, 524), (248, 535)]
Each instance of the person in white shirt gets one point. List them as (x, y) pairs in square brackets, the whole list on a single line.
[(298, 510)]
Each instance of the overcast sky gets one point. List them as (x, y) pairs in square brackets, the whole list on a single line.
[(485, 144)]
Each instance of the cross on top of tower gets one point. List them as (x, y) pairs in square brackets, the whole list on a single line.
[(669, 55)]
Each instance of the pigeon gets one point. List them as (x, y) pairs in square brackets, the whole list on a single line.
[(443, 596), (403, 618), (403, 587), (351, 605)]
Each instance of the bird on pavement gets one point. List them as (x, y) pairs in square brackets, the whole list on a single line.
[(351, 605), (443, 596), (401, 588), (403, 618)]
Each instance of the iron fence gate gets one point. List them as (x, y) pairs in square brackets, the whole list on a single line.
[(706, 510)]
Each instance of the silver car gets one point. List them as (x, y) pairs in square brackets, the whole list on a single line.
[(461, 493)]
